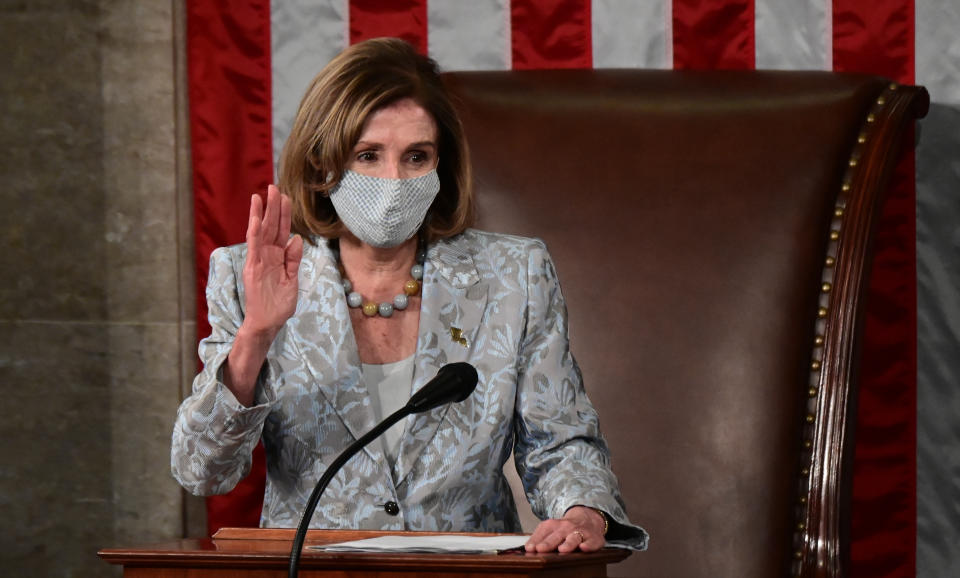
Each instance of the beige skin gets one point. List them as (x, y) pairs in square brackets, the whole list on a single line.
[(398, 141)]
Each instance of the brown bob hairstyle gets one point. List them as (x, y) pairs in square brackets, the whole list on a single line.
[(360, 80)]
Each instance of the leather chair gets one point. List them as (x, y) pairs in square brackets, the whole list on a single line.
[(712, 233)]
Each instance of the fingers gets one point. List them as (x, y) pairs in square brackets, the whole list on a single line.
[(271, 217), (253, 223), (270, 224), (563, 536), (285, 211), (292, 254), (545, 538), (572, 541), (589, 542), (540, 534)]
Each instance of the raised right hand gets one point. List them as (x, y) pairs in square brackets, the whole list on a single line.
[(273, 261), (270, 284)]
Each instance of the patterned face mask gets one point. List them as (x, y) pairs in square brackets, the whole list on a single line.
[(384, 212)]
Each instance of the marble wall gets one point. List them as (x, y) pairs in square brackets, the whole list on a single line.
[(97, 333)]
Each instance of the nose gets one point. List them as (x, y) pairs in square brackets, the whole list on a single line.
[(392, 170)]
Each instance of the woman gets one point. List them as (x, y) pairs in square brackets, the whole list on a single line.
[(317, 336)]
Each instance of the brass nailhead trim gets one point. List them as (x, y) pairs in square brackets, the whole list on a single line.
[(827, 287)]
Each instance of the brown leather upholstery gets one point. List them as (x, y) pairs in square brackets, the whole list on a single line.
[(690, 216)]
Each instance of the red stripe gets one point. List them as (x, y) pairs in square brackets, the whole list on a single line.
[(713, 34), (874, 36), (884, 487), (551, 34), (405, 19), (228, 68), (877, 37)]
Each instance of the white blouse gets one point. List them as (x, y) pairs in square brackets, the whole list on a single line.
[(390, 386)]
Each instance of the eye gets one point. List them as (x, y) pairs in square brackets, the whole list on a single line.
[(366, 156), (417, 157)]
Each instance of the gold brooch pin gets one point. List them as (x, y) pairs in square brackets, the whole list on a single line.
[(457, 335)]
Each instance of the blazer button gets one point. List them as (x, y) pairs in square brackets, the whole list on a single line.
[(391, 508)]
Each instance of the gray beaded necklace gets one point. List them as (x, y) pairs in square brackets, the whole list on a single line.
[(400, 301)]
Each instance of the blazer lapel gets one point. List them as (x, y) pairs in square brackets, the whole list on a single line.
[(451, 311), (322, 331)]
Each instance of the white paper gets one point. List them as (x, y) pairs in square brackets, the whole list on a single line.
[(446, 543)]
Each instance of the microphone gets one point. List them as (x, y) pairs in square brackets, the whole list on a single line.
[(453, 383)]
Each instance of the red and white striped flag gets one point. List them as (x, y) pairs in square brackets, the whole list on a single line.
[(250, 61)]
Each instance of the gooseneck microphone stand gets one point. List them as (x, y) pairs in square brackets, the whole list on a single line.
[(328, 475), (454, 382)]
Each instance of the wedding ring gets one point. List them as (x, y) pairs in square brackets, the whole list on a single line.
[(579, 533)]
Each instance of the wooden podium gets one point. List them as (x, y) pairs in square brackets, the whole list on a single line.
[(264, 553)]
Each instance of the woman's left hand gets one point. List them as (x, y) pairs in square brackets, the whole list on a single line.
[(580, 528)]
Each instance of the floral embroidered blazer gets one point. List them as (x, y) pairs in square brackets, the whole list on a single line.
[(488, 299)]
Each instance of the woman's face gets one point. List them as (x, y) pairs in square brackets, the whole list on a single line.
[(399, 141)]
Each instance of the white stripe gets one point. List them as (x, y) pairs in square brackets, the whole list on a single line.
[(304, 36), (631, 34), (937, 53), (668, 28), (792, 35), (469, 34), (938, 49)]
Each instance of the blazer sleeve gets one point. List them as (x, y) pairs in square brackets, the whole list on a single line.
[(214, 435), (561, 456)]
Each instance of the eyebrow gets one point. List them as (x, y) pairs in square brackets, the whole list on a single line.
[(376, 145)]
